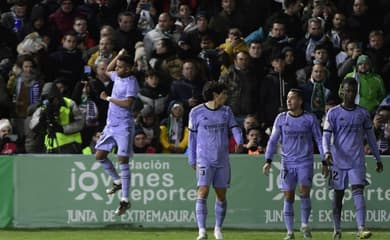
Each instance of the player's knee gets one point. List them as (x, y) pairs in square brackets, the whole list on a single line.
[(203, 192)]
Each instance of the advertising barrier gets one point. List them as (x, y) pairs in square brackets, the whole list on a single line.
[(69, 191), (6, 189)]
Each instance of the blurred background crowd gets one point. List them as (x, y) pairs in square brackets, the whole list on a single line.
[(54, 53)]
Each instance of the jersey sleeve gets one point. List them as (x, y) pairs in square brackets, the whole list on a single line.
[(234, 127), (192, 138), (274, 138)]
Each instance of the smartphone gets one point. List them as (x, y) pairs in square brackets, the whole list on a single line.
[(87, 70), (145, 6)]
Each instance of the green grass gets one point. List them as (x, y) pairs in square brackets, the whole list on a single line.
[(158, 234)]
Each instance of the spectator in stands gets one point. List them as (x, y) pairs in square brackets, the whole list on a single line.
[(360, 22), (85, 99), (146, 14), (276, 39), (148, 122), (163, 30), (315, 93), (140, 145), (315, 35), (127, 34), (104, 52), (227, 17), (185, 21), (210, 57), (154, 94), (337, 30), (290, 17), (188, 89), (64, 17), (371, 89), (7, 141), (61, 119), (166, 61), (258, 61), (353, 50), (66, 62), (33, 141), (252, 145), (202, 29), (24, 85), (101, 83), (379, 54), (174, 130), (381, 124), (233, 44), (243, 86), (80, 27), (16, 18), (322, 56), (274, 89)]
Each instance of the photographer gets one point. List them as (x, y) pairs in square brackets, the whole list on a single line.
[(381, 123), (7, 141), (62, 120)]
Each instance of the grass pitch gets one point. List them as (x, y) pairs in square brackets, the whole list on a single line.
[(159, 234)]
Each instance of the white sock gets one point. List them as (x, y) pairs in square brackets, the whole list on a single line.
[(117, 181)]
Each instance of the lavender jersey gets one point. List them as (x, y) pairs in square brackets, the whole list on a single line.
[(349, 128), (209, 135), (120, 118), (296, 135)]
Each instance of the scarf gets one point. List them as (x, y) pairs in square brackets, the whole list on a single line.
[(318, 97), (175, 127)]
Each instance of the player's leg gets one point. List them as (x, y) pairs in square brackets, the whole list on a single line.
[(305, 176), (204, 175), (125, 178), (201, 211), (221, 182), (338, 182), (101, 157), (103, 146), (358, 181), (288, 181), (305, 211), (125, 151)]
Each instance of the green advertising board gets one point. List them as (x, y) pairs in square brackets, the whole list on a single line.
[(6, 191), (69, 191)]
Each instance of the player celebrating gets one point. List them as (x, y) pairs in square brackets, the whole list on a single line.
[(119, 128), (349, 123), (296, 130), (209, 126)]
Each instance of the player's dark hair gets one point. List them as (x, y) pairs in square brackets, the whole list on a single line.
[(350, 81), (126, 59), (212, 87), (298, 92)]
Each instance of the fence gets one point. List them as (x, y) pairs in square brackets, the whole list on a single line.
[(69, 191)]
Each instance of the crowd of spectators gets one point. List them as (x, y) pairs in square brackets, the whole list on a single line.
[(260, 49)]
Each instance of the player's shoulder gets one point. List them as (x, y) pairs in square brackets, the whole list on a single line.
[(197, 109), (335, 109)]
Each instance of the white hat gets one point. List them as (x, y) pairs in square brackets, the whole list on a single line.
[(4, 123)]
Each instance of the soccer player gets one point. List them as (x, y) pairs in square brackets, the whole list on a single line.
[(119, 129), (209, 126), (296, 130), (348, 124)]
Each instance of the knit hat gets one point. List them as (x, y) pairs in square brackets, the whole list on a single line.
[(139, 51), (4, 123), (363, 59)]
